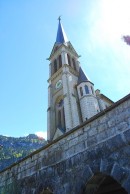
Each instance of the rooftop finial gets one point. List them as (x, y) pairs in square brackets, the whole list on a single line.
[(59, 18), (61, 36)]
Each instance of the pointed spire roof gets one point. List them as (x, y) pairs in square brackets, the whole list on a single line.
[(61, 35), (82, 77)]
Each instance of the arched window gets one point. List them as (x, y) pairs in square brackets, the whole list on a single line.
[(55, 66), (60, 61), (74, 65), (92, 90), (81, 91), (86, 89), (69, 61), (60, 117)]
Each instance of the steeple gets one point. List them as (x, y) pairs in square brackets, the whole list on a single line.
[(71, 95), (82, 77), (61, 35)]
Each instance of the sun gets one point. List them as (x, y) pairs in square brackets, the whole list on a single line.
[(110, 20), (115, 17)]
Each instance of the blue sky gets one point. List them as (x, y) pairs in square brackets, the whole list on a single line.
[(27, 33)]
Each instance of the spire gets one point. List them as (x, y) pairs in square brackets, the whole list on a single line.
[(61, 35), (82, 77)]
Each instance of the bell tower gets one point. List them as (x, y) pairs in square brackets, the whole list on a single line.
[(63, 105), (71, 95)]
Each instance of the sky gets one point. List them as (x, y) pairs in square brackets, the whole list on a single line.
[(27, 34)]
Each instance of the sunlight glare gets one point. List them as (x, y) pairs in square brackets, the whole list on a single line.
[(41, 134), (115, 18)]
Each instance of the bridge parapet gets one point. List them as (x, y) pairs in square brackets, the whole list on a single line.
[(104, 136)]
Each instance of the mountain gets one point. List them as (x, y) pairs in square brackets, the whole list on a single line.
[(14, 149)]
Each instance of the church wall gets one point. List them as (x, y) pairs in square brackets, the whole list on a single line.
[(106, 102), (89, 106), (88, 101), (74, 107), (101, 104), (101, 144), (102, 100), (67, 102), (70, 104)]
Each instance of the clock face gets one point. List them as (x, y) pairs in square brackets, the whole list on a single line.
[(58, 84)]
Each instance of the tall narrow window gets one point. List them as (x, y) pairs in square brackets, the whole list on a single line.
[(74, 65), (60, 61), (69, 61), (55, 66), (86, 89), (81, 91), (64, 119), (92, 90), (59, 118)]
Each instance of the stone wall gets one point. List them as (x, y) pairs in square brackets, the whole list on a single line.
[(100, 145)]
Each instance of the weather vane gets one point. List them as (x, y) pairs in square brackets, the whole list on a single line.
[(59, 18)]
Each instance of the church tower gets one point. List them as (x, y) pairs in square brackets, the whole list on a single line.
[(71, 95), (63, 110)]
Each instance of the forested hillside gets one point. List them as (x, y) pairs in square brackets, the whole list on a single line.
[(13, 149)]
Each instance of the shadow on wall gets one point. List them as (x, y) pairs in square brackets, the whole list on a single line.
[(103, 184), (46, 191)]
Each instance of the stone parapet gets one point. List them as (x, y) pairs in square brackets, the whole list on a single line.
[(100, 144)]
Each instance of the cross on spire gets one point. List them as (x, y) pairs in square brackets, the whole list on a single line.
[(61, 35), (59, 18)]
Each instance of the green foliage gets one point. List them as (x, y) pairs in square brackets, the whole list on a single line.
[(15, 149)]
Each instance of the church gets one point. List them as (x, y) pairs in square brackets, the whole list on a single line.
[(72, 98), (88, 150)]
